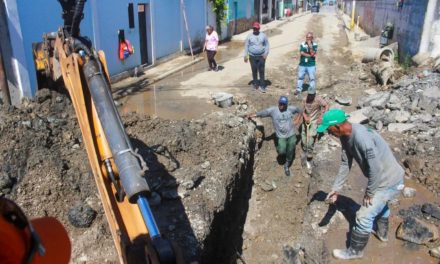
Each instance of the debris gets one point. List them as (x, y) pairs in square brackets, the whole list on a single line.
[(417, 231), (431, 210), (435, 252), (399, 127), (358, 117), (409, 192), (344, 100), (268, 186), (81, 215)]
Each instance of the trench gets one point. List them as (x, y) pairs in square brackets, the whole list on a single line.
[(225, 241)]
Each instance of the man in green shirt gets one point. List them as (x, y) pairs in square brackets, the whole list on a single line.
[(307, 63)]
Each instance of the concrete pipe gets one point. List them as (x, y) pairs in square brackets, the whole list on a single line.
[(377, 54)]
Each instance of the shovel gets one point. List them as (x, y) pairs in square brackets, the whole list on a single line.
[(308, 164)]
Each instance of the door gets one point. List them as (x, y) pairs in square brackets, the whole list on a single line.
[(142, 18)]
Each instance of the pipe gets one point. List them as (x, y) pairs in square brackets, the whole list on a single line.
[(376, 54), (130, 172), (153, 230)]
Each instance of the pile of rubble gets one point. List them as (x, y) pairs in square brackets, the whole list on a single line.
[(411, 110)]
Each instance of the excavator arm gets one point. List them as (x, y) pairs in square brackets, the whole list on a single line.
[(117, 168)]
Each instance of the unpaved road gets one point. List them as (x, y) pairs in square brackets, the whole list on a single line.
[(281, 219)]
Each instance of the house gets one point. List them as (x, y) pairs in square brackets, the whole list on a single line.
[(155, 28)]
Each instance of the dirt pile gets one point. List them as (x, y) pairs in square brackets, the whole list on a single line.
[(200, 172)]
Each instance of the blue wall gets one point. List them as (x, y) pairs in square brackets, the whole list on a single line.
[(408, 21), (195, 13), (109, 19), (167, 33), (39, 18), (238, 9)]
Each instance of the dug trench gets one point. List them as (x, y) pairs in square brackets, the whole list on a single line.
[(200, 173)]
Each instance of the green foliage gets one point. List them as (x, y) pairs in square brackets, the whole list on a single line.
[(219, 8)]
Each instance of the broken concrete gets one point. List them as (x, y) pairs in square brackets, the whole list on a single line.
[(417, 231)]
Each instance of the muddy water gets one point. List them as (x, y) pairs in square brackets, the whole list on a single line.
[(163, 99), (395, 250)]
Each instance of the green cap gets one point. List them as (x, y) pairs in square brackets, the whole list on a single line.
[(332, 117)]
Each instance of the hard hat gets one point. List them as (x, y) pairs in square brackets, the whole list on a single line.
[(283, 100), (40, 241), (256, 25), (331, 118)]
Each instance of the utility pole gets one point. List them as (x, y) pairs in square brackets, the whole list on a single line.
[(4, 89)]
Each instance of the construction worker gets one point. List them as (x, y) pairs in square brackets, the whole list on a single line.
[(256, 49), (211, 45), (378, 164), (314, 108), (40, 241), (282, 118), (307, 63)]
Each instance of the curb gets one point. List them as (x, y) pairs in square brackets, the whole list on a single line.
[(179, 68)]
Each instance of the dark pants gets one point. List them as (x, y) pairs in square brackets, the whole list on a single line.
[(257, 64), (211, 60)]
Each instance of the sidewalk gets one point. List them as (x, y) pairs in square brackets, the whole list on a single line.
[(155, 73)]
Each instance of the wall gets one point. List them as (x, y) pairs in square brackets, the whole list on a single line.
[(241, 15), (408, 21), (197, 21), (107, 20)]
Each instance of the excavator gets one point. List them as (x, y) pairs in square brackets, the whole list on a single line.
[(68, 58)]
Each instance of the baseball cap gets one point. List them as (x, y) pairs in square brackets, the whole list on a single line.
[(256, 25), (283, 100), (40, 241), (332, 117)]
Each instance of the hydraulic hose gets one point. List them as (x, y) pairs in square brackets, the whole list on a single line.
[(77, 17), (130, 171)]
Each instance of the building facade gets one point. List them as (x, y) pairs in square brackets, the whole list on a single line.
[(156, 29)]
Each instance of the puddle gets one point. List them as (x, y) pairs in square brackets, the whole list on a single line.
[(395, 250), (165, 102)]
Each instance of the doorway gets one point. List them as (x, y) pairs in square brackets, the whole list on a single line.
[(144, 33)]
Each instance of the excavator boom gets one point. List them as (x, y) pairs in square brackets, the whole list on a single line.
[(118, 169)]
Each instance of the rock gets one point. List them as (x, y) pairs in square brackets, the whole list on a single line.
[(414, 164), (268, 186), (417, 231), (431, 210), (425, 118), (402, 116), (81, 215), (370, 91), (188, 185), (5, 181), (363, 76), (358, 117), (394, 103), (58, 99), (344, 100), (43, 95), (377, 100), (379, 125), (399, 127), (435, 252), (206, 165), (409, 192)]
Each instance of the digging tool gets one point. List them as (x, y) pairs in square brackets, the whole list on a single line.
[(308, 165)]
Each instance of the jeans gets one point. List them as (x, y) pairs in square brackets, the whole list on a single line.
[(365, 216), (211, 61), (286, 146), (302, 70), (308, 141), (257, 66)]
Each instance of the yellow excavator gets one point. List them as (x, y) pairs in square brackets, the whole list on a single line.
[(119, 171)]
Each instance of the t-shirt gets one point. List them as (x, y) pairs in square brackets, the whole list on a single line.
[(282, 121), (315, 109), (374, 157), (307, 61), (211, 41)]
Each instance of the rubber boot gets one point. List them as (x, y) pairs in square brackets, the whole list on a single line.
[(382, 229), (358, 241), (286, 169)]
